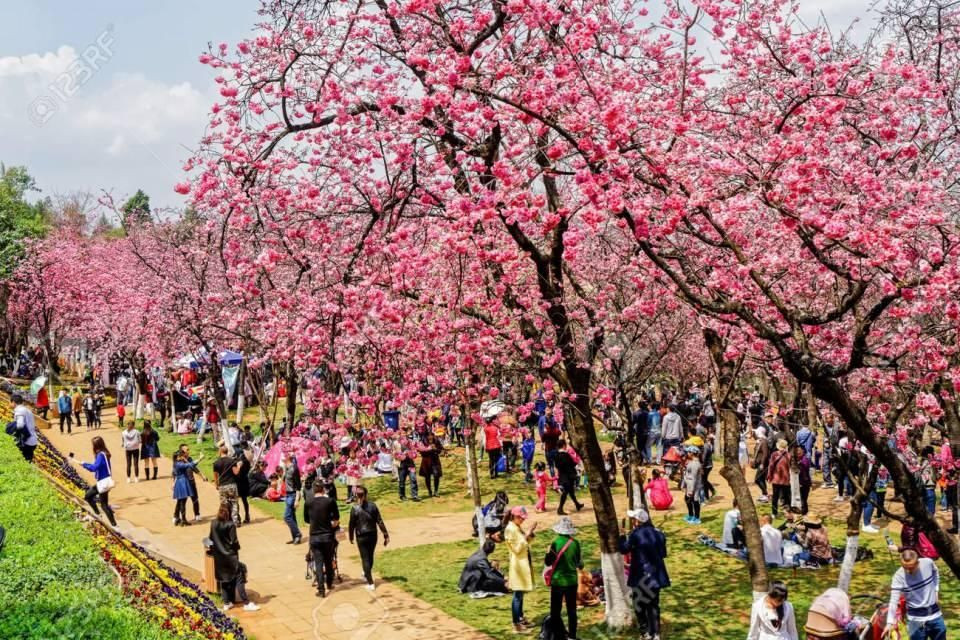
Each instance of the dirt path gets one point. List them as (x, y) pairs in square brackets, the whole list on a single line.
[(290, 610)]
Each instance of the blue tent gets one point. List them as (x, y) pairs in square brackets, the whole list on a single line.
[(230, 358)]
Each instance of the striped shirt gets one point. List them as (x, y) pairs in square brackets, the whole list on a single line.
[(920, 589)]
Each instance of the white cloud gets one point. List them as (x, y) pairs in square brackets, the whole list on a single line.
[(47, 64), (115, 132)]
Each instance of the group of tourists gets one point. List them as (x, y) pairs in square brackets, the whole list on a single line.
[(784, 457)]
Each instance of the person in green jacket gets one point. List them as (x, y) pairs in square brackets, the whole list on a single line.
[(564, 552)]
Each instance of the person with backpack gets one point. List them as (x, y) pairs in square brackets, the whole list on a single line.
[(65, 409), (647, 547), (562, 561), (23, 428), (521, 573), (225, 470), (365, 519)]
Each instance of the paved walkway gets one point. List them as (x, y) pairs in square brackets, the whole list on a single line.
[(290, 610)]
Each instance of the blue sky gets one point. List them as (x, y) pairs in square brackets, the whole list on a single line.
[(129, 124), (133, 119)]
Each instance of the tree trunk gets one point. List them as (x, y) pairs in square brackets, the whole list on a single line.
[(291, 399), (731, 470), (53, 355), (830, 391), (241, 396), (865, 481), (579, 421), (473, 474)]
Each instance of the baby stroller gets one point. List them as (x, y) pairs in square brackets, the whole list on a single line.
[(821, 626), (311, 573), (674, 462)]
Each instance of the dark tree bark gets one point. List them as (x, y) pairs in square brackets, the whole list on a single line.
[(830, 390), (731, 471)]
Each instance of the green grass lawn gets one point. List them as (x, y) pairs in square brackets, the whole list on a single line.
[(709, 597)]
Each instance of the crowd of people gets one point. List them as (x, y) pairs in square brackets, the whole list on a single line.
[(674, 434)]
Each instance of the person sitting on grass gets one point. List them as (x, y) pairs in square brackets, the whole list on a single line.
[(259, 483), (277, 491), (658, 492), (479, 575)]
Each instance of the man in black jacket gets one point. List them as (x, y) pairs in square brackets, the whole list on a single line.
[(365, 519), (324, 521), (566, 477)]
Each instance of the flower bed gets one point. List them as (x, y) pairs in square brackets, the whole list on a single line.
[(151, 586), (162, 595)]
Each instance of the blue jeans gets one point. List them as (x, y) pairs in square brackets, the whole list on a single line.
[(516, 608), (653, 440), (404, 473), (552, 462), (527, 476), (868, 507), (290, 515), (930, 500), (932, 630)]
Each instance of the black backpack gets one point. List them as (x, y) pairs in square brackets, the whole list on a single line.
[(552, 631)]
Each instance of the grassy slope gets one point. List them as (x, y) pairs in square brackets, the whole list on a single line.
[(709, 597), (53, 583)]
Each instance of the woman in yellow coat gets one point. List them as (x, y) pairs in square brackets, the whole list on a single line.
[(521, 574)]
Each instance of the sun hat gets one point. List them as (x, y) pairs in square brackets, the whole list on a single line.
[(519, 512), (565, 527), (812, 520), (640, 515)]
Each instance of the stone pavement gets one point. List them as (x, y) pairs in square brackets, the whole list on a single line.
[(290, 610)]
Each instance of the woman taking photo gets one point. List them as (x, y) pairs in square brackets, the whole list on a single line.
[(521, 574), (183, 489), (230, 572), (100, 467), (772, 616), (149, 450)]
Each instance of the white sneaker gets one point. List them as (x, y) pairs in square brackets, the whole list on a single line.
[(196, 518), (228, 606), (136, 479), (251, 607), (763, 499), (839, 499), (371, 587), (870, 529), (174, 521), (128, 480)]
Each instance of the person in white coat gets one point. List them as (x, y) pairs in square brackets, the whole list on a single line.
[(772, 617)]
